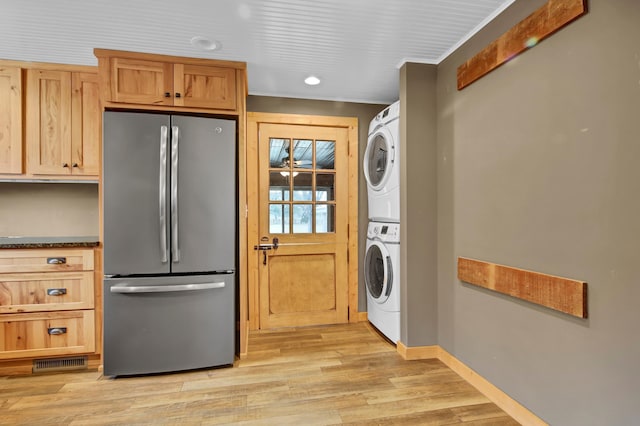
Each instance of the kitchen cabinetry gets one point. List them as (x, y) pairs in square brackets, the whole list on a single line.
[(62, 122), (10, 120), (158, 80), (46, 303)]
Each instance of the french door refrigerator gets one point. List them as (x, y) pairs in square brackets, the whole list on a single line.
[(169, 193)]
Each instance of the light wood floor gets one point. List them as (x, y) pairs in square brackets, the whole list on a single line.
[(344, 374)]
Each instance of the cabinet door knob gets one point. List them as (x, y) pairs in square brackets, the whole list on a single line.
[(167, 94), (74, 165), (177, 95), (65, 165)]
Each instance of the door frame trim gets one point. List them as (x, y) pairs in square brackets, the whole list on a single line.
[(254, 119)]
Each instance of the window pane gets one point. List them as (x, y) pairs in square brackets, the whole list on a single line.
[(325, 218), (279, 219), (325, 154), (278, 150), (302, 154), (278, 186), (325, 187), (302, 186), (302, 218)]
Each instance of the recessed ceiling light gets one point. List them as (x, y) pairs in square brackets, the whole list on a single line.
[(312, 80), (204, 43)]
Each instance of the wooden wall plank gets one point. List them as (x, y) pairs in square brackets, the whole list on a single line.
[(548, 19), (562, 294)]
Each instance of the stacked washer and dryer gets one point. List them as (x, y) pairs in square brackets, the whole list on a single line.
[(382, 255)]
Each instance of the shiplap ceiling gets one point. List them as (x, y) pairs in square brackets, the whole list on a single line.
[(355, 46)]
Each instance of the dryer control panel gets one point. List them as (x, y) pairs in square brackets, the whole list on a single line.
[(387, 232)]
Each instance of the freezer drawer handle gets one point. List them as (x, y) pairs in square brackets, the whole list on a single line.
[(56, 291), (55, 331), (56, 260), (126, 288)]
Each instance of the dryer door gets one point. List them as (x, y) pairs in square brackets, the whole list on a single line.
[(378, 272), (379, 158)]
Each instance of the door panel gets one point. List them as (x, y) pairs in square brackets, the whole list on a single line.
[(48, 119), (303, 202), (132, 231), (11, 119), (206, 194), (86, 124), (141, 82), (205, 86)]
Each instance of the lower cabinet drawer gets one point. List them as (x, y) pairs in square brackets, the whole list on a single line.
[(46, 334), (51, 291), (46, 260)]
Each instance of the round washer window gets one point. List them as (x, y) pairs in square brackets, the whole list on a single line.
[(378, 159), (378, 282)]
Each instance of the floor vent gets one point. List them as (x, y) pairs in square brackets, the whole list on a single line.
[(60, 364)]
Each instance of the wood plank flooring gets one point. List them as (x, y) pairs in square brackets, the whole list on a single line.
[(343, 374)]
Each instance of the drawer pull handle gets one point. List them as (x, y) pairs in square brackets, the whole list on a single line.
[(55, 331), (56, 291), (56, 260)]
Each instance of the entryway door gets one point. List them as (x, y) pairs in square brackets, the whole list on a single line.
[(299, 219)]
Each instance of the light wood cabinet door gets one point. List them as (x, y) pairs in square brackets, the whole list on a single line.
[(86, 124), (46, 334), (141, 82), (54, 291), (46, 260), (204, 86), (10, 120), (63, 123), (48, 122)]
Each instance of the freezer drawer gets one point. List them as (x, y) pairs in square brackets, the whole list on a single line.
[(155, 325)]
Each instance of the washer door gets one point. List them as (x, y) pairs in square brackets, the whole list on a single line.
[(378, 272), (379, 158)]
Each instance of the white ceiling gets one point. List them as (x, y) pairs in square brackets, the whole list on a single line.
[(355, 46)]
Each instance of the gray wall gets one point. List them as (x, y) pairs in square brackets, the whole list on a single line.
[(418, 200), (48, 209), (538, 169), (364, 113)]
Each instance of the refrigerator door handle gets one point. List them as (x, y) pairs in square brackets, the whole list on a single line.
[(162, 188), (175, 250), (126, 288)]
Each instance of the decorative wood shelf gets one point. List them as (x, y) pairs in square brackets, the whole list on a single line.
[(548, 19), (562, 294)]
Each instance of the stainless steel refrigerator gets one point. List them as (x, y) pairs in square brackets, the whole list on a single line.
[(169, 188)]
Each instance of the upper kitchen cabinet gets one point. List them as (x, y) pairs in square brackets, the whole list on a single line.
[(10, 120), (86, 123), (62, 123), (166, 82)]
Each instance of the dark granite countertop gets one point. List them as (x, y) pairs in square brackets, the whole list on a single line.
[(47, 242)]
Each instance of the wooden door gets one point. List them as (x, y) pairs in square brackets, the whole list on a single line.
[(86, 118), (200, 86), (303, 202), (48, 132), (10, 120), (141, 82)]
